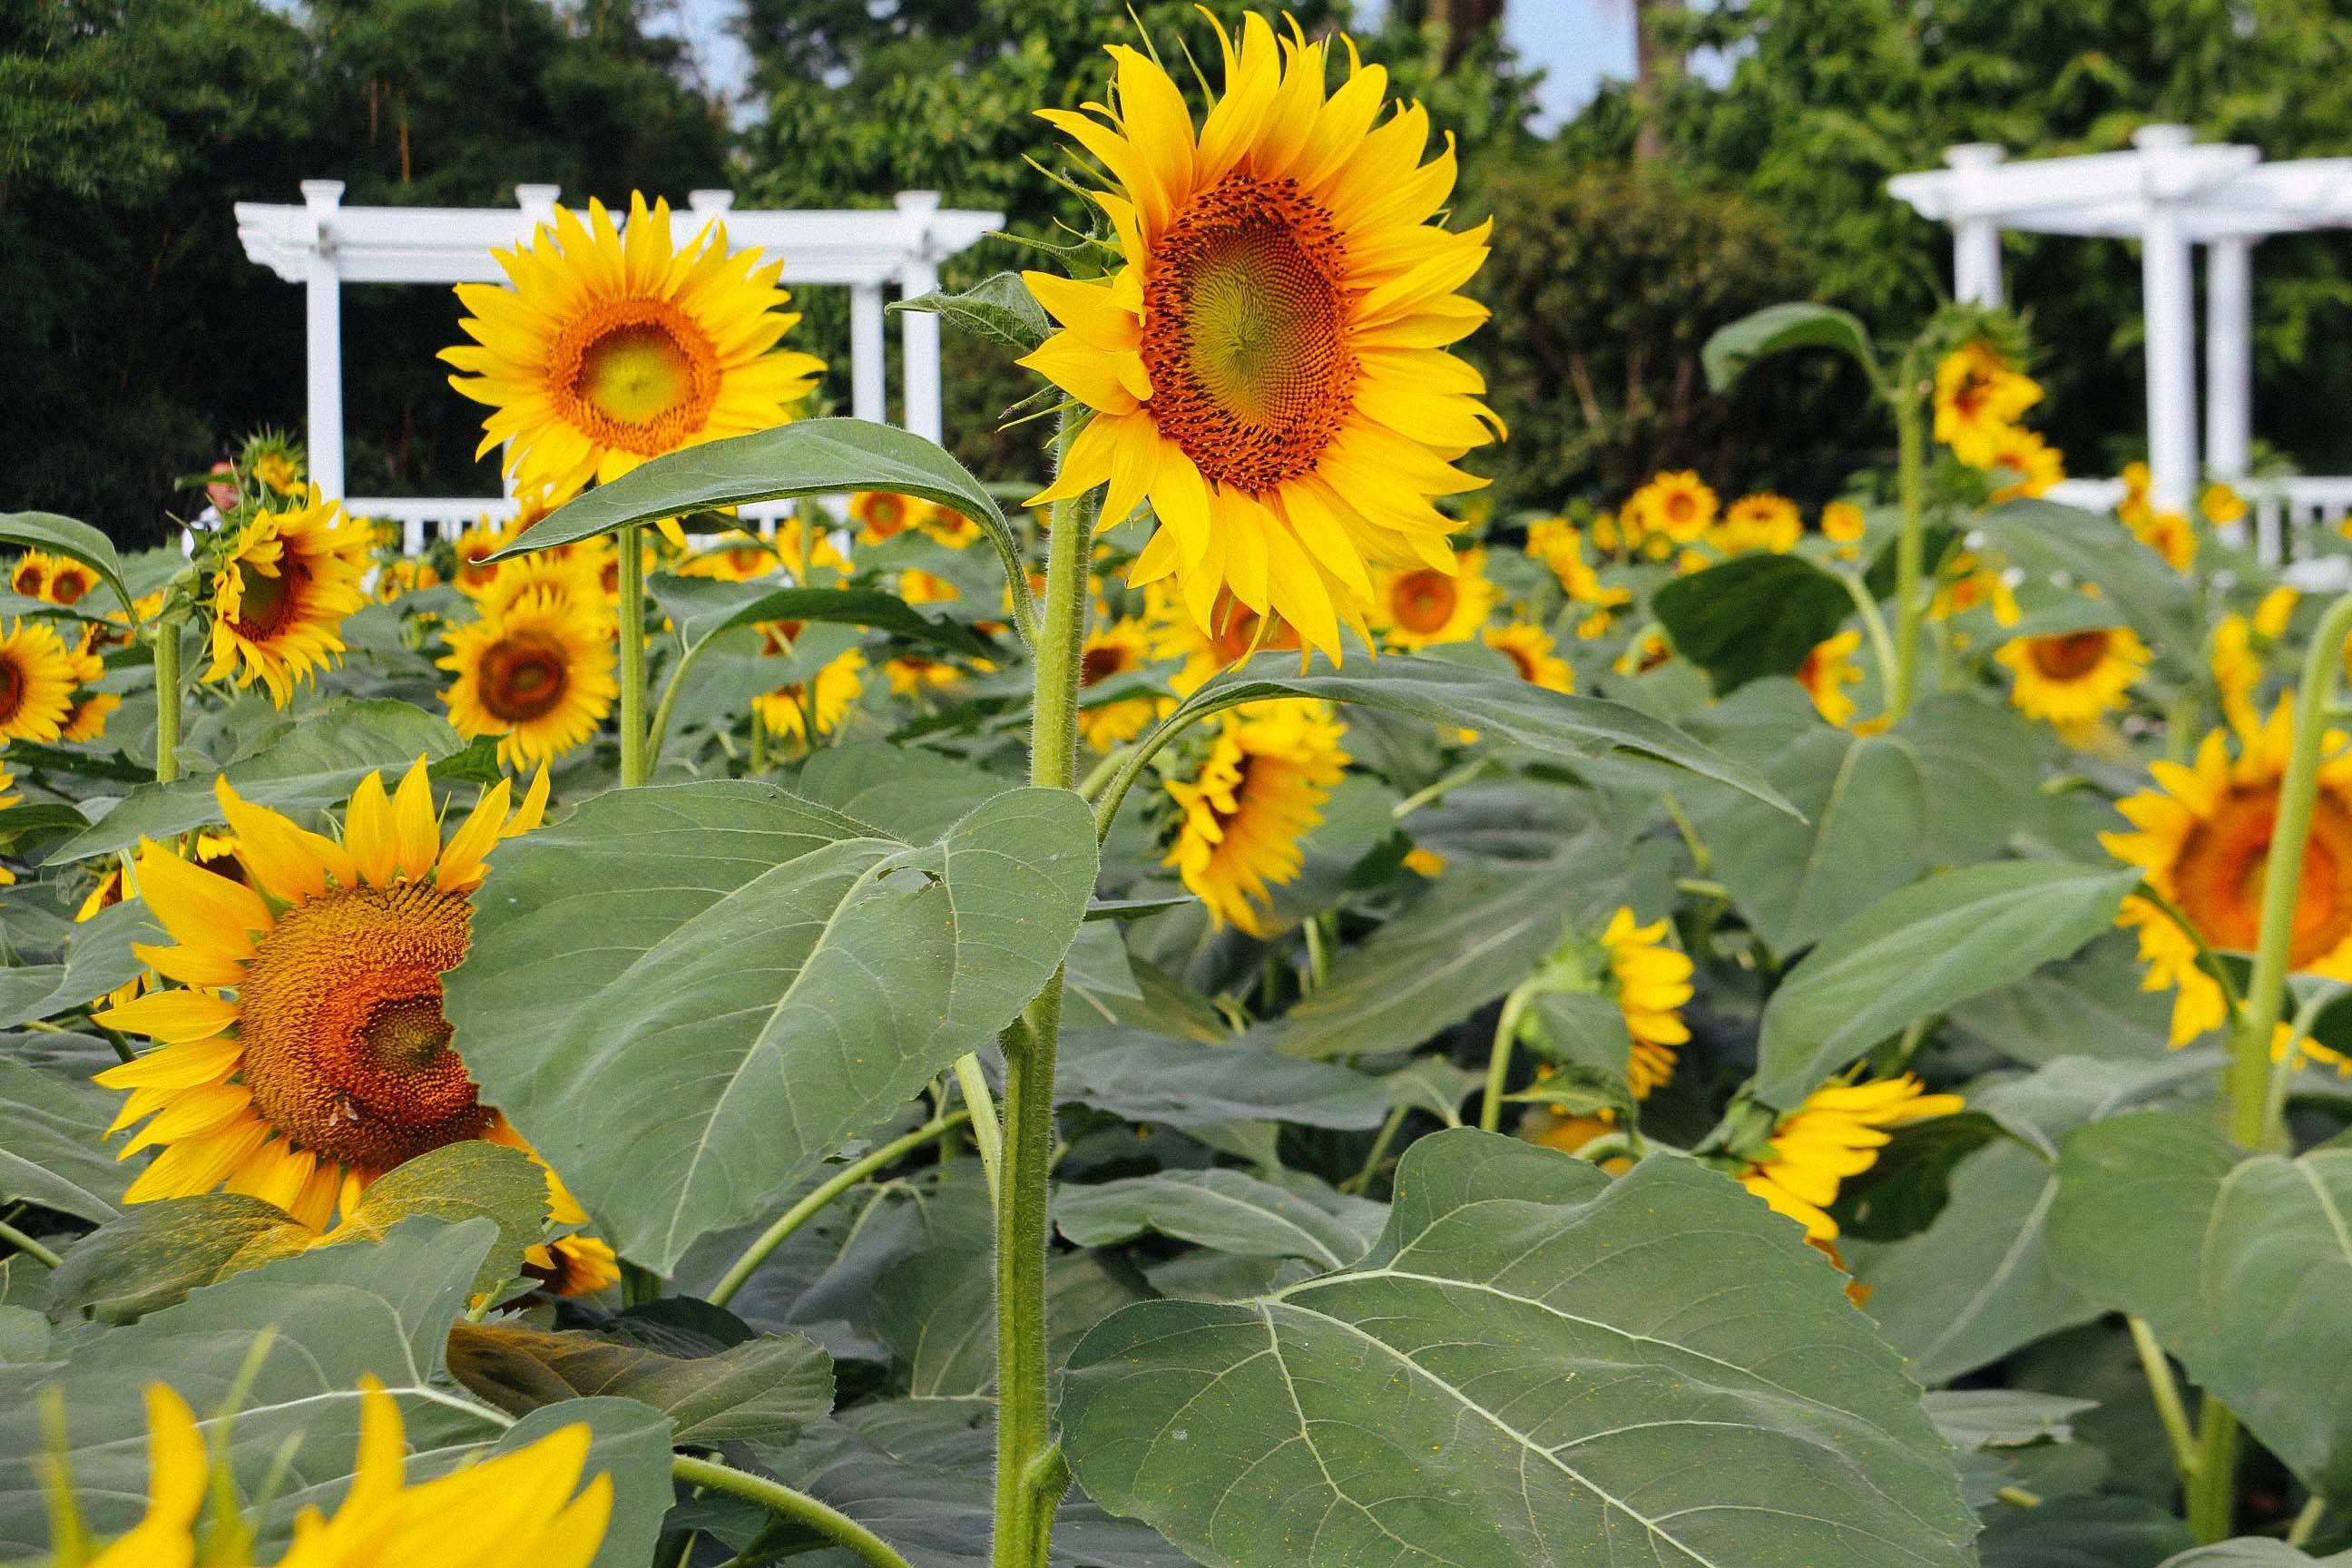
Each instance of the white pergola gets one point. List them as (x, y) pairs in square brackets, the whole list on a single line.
[(322, 244), (2172, 195)]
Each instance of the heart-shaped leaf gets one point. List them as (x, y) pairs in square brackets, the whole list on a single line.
[(1750, 617)]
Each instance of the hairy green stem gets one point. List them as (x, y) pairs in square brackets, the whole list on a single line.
[(1882, 641), (633, 762), (2166, 1393), (1910, 545), (840, 1182), (167, 701), (1027, 1493), (2212, 1492), (657, 735), (28, 1246), (987, 1132), (785, 1503), (1498, 1059)]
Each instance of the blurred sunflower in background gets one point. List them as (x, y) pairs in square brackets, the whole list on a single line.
[(602, 351), (838, 685), (1829, 668), (2202, 838), (1424, 606), (737, 557), (285, 583), (2073, 677), (1760, 522), (1234, 633), (1268, 365), (1979, 398), (885, 514), (1257, 790), (2240, 642), (2037, 464), (1114, 650), (1835, 1134), (538, 674), (304, 1052), (37, 676), (1533, 655)]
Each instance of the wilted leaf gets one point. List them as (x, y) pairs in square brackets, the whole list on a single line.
[(769, 1387)]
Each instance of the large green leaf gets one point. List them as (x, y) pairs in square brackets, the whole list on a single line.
[(689, 996), (1984, 774), (314, 762), (99, 959), (1536, 1365), (1751, 616), (2047, 538), (1490, 701), (2242, 1266), (703, 609), (1173, 1082), (1778, 329), (2092, 1005), (770, 1387), (2254, 1551), (1936, 942), (64, 536), (380, 1309), (1862, 836), (54, 1151), (1476, 934), (1224, 1210)]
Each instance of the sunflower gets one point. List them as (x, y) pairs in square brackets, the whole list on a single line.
[(911, 673), (1760, 522), (29, 576), (1652, 981), (2203, 837), (838, 684), (177, 1483), (1258, 791), (285, 584), (1969, 584), (1829, 668), (538, 675), (473, 572), (2239, 644), (2222, 504), (2139, 484), (1680, 506), (307, 1053), (37, 675), (8, 783), (1646, 652), (736, 557), (1421, 606), (1835, 1134), (883, 514), (603, 352), (1114, 650), (2037, 464), (1842, 523), (1234, 633), (920, 587), (1533, 655), (2169, 534), (1424, 862), (2073, 677), (1268, 365), (576, 577), (59, 579), (398, 579), (949, 528), (1979, 398)]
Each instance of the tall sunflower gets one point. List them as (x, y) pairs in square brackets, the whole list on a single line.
[(37, 682), (1114, 650), (283, 586), (1260, 789), (538, 675), (1268, 365), (1421, 606), (305, 1053), (601, 351), (1979, 398), (2202, 837), (1835, 1134), (2073, 677)]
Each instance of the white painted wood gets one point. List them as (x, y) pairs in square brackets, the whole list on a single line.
[(2169, 304), (323, 309), (1976, 239), (2229, 355), (869, 352), (918, 331)]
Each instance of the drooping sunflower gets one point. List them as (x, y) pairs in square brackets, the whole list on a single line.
[(1836, 1133), (1534, 654), (1652, 981), (838, 685), (2202, 837), (1681, 506), (1829, 668), (2171, 535), (883, 514), (538, 675), (1980, 398), (1268, 365), (527, 1505), (37, 682), (2037, 464), (285, 585), (1759, 521), (1421, 606), (2073, 677), (1114, 650), (1260, 789), (304, 1052), (603, 352)]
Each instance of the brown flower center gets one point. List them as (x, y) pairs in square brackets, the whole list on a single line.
[(2068, 658), (346, 1050), (523, 676), (1102, 661), (1423, 601), (2224, 861), (266, 605), (1244, 337)]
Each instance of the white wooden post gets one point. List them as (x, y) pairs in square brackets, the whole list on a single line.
[(869, 353), (2229, 354), (1976, 239), (2170, 304), (538, 204), (919, 330), (322, 300)]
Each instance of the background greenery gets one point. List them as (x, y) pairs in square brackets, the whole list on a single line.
[(141, 342)]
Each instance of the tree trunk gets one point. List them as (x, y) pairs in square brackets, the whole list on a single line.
[(1463, 21), (1656, 67)]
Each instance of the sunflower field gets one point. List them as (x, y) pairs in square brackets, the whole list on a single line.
[(1230, 1004)]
